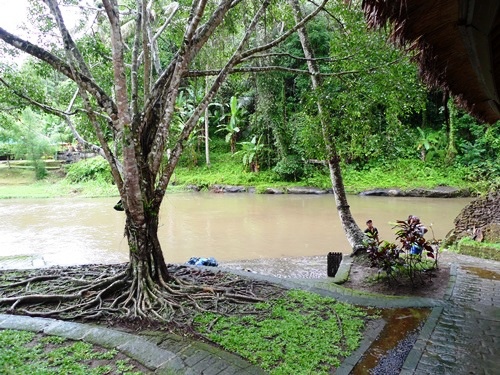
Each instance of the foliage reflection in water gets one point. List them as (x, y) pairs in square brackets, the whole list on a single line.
[(387, 353)]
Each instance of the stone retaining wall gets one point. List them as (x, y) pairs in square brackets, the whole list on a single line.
[(482, 213), (479, 220)]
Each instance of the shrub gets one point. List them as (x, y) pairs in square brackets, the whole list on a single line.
[(94, 169), (40, 170), (409, 259), (290, 168)]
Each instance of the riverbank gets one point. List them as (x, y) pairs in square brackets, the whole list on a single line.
[(230, 178)]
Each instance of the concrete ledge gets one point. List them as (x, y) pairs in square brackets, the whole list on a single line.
[(25, 323), (344, 270), (451, 283)]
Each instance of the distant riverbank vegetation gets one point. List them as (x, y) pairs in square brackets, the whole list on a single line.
[(418, 159), (92, 177)]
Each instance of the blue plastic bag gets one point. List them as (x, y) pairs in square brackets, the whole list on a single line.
[(211, 262)]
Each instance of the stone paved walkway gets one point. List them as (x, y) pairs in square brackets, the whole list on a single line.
[(461, 335), (465, 337)]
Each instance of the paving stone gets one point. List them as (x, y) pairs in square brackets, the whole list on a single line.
[(146, 353), (174, 345), (173, 366), (195, 358), (205, 364), (216, 368)]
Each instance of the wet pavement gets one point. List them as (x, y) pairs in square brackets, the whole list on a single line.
[(466, 335), (461, 334)]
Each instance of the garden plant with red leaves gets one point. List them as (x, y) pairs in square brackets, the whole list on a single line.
[(410, 259)]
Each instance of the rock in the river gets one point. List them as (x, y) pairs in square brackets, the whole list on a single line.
[(438, 192), (383, 193), (306, 190), (274, 191), (228, 189)]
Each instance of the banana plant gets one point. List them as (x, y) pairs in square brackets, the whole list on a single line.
[(250, 151), (236, 119)]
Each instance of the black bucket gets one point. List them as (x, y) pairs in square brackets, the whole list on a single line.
[(333, 263)]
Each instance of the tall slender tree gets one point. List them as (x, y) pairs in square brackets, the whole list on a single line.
[(353, 233)]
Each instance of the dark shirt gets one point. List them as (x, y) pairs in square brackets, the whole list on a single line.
[(373, 232)]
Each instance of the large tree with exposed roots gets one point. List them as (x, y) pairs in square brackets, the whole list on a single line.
[(133, 124)]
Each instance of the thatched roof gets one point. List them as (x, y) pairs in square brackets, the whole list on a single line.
[(457, 45)]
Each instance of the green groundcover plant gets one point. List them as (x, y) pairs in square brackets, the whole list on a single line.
[(301, 333), (28, 353)]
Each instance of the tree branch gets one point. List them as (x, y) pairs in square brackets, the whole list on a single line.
[(192, 121), (299, 58), (59, 65), (284, 36), (70, 47), (134, 73), (44, 107), (165, 93), (269, 68), (131, 198)]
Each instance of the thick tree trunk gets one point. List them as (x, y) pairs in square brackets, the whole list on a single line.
[(146, 256)]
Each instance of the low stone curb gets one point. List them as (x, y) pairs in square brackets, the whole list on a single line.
[(327, 288), (451, 282), (370, 335), (344, 270)]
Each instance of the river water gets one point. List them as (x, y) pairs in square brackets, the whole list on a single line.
[(228, 227)]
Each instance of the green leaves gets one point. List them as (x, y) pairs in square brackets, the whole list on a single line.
[(250, 151), (26, 353), (301, 333)]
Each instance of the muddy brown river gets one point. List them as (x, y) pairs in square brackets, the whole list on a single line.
[(228, 227)]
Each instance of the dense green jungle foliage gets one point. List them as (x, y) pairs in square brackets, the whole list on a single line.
[(263, 127)]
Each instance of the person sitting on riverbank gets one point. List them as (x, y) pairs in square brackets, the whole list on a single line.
[(419, 230), (371, 231)]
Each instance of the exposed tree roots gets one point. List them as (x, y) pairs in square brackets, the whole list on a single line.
[(113, 292)]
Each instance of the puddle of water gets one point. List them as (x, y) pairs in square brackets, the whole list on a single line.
[(482, 273), (400, 329)]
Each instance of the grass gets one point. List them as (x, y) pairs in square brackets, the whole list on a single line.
[(403, 174), (29, 353), (485, 250), (227, 170), (302, 333), (18, 182)]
